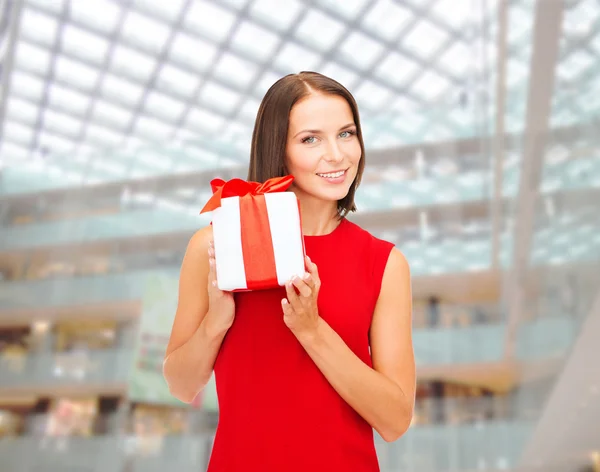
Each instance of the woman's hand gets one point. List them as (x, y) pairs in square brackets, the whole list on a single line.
[(221, 305), (300, 311)]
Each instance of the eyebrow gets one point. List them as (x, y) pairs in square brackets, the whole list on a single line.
[(317, 131)]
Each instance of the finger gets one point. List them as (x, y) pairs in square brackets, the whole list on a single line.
[(292, 296), (313, 270), (302, 286), (287, 308), (212, 268)]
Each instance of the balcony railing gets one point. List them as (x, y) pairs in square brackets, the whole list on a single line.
[(103, 368), (491, 444)]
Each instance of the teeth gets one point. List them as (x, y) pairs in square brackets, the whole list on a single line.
[(333, 175)]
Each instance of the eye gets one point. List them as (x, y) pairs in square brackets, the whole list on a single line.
[(309, 140), (347, 134)]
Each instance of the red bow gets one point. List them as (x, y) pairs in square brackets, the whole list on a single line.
[(241, 188)]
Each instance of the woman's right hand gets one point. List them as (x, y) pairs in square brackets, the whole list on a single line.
[(221, 305)]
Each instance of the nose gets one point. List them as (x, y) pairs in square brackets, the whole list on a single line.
[(334, 154)]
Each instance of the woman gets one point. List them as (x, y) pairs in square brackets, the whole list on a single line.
[(304, 373)]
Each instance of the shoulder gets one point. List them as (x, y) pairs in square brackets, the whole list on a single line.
[(397, 267), (200, 240)]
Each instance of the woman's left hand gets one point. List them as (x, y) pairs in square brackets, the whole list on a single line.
[(300, 311)]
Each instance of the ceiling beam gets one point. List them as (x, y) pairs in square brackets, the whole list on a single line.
[(11, 10), (545, 51), (498, 144)]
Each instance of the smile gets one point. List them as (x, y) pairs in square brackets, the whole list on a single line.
[(333, 175)]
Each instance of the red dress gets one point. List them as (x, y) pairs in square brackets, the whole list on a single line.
[(277, 412)]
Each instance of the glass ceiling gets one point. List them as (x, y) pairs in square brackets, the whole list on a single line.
[(95, 85)]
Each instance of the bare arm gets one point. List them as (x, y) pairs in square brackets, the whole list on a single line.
[(203, 317), (382, 395)]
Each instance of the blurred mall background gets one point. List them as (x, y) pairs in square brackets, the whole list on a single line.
[(481, 122)]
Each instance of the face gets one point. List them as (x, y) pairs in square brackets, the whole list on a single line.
[(323, 150)]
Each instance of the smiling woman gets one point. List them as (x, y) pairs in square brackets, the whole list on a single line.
[(304, 372)]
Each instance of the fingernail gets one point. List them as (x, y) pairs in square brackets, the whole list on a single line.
[(214, 283), (284, 301), (308, 259)]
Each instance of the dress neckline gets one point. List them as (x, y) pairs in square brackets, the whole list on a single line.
[(327, 235)]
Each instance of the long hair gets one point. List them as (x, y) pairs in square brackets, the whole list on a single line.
[(269, 138)]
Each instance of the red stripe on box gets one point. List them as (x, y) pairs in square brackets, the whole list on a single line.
[(257, 243)]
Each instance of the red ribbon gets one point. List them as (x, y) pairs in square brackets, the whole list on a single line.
[(242, 188)]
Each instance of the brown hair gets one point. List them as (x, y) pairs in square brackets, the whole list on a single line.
[(269, 139)]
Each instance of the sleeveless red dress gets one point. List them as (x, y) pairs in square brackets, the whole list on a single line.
[(277, 411)]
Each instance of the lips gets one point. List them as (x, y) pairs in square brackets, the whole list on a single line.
[(333, 175)]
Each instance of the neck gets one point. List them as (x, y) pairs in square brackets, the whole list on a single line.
[(318, 217)]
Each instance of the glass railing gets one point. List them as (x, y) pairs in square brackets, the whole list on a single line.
[(487, 445), (491, 445), (562, 240), (104, 368)]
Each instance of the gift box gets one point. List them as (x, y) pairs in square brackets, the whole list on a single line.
[(257, 233)]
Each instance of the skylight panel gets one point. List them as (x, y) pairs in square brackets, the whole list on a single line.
[(99, 15), (425, 39), (249, 109), (387, 19), (168, 10), (360, 50), (121, 90), (210, 20), (320, 30), (152, 128), (18, 133), (453, 13), (163, 106), (26, 85), (32, 58), (341, 74), (430, 85), (103, 136), (56, 7), (62, 98), (233, 69), (177, 81), (194, 52), (144, 32), (107, 113), (77, 74), (38, 27), (267, 79), (61, 123), (11, 152), (219, 96), (21, 110), (349, 10), (396, 69), (204, 121), (372, 95), (275, 13), (457, 59), (84, 45), (54, 142), (293, 58), (135, 65), (254, 41)]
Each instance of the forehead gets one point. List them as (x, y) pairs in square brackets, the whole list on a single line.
[(319, 111)]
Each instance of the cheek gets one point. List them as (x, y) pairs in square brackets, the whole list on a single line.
[(302, 160)]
